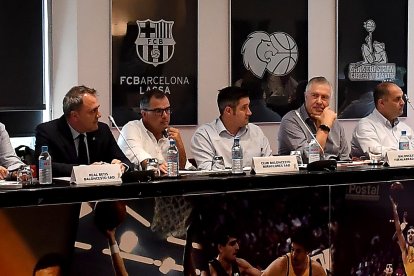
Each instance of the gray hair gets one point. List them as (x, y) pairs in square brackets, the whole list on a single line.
[(148, 95), (320, 80), (73, 100)]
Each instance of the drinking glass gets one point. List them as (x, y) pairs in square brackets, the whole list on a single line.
[(298, 155), (153, 164), (375, 154), (24, 175), (217, 163)]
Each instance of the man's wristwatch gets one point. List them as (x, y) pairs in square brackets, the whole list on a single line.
[(325, 128)]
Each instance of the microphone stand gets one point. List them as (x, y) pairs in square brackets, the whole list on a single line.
[(324, 165), (408, 101), (126, 141), (310, 132)]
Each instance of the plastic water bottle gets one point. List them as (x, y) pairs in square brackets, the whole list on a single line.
[(172, 159), (404, 142), (313, 151), (236, 157), (45, 167)]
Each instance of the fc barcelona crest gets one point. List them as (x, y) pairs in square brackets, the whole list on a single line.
[(155, 43)]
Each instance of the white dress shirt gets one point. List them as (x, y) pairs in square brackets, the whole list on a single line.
[(143, 143), (375, 130), (75, 135)]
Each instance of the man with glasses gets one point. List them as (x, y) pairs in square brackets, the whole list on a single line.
[(149, 136), (317, 117), (216, 138)]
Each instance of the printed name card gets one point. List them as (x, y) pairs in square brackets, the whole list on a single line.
[(275, 164), (400, 158), (96, 174)]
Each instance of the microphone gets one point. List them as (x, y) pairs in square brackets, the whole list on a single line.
[(310, 132), (165, 133), (408, 101), (123, 137)]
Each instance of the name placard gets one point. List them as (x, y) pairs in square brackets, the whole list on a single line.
[(96, 174), (400, 158), (275, 164)]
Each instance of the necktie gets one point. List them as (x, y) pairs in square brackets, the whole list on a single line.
[(82, 153)]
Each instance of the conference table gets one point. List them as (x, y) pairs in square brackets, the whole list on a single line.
[(348, 212)]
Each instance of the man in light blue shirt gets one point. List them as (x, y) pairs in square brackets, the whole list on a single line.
[(216, 138)]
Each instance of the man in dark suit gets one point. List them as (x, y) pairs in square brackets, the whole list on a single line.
[(66, 144)]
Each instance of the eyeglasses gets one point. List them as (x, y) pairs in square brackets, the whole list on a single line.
[(160, 111)]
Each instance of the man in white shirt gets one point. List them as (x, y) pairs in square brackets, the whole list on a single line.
[(382, 127), (149, 137), (8, 158), (216, 138)]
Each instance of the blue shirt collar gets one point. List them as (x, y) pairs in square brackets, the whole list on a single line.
[(221, 128)]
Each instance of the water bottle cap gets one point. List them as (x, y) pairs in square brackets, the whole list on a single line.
[(153, 160), (403, 132), (44, 148)]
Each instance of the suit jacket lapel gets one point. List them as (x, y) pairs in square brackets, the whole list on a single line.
[(67, 140)]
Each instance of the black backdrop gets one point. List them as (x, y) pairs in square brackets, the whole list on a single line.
[(270, 16), (128, 62), (391, 25), (21, 73)]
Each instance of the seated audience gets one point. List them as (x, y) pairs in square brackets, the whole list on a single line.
[(62, 135), (382, 127), (149, 137), (8, 158), (216, 138), (319, 118)]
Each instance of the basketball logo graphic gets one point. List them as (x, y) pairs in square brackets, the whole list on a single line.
[(155, 43), (369, 25), (374, 65), (277, 53), (286, 57)]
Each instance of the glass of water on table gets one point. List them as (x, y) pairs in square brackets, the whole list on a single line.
[(217, 163), (375, 154)]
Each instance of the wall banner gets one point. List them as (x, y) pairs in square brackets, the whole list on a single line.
[(372, 47), (154, 45), (269, 54)]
